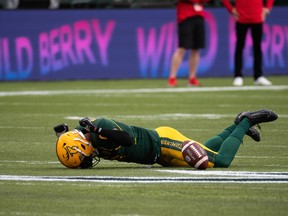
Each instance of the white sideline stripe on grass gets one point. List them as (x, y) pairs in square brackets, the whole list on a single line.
[(246, 174), (198, 177), (30, 162), (169, 116), (165, 116), (143, 90), (108, 161)]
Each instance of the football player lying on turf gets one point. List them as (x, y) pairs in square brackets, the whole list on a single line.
[(109, 139)]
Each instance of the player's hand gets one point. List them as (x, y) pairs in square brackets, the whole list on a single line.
[(235, 13), (87, 124), (61, 129), (265, 13)]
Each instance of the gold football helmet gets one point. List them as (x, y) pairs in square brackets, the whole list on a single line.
[(74, 151)]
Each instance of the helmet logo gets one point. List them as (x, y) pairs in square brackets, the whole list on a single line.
[(70, 151)]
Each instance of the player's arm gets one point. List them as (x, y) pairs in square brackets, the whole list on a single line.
[(227, 4), (269, 4), (120, 137), (267, 9)]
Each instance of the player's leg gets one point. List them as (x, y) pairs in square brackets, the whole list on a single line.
[(231, 144), (171, 140), (215, 142), (244, 121), (171, 146), (172, 158)]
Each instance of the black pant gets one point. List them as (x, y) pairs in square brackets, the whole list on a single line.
[(241, 32)]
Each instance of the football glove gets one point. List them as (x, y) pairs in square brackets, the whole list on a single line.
[(61, 129), (87, 124)]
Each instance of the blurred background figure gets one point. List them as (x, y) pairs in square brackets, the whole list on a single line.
[(249, 14), (11, 4), (30, 4), (54, 4), (191, 36)]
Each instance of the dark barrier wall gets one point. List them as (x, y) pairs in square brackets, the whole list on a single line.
[(121, 44)]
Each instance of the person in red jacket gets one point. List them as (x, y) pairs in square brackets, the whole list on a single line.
[(249, 14), (191, 36)]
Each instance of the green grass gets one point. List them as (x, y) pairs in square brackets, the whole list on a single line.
[(28, 148)]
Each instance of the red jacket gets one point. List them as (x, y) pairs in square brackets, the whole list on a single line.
[(189, 8), (250, 11)]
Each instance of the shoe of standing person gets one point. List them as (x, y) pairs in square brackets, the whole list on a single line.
[(172, 82), (262, 81), (238, 81), (194, 82)]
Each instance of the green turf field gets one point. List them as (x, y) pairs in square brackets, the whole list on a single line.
[(33, 182)]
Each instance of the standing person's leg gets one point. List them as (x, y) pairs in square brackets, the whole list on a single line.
[(257, 32), (177, 59), (184, 41), (194, 60), (241, 32), (197, 43)]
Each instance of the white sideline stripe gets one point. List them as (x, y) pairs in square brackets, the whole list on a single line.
[(29, 162), (108, 162), (165, 116), (227, 173), (143, 90), (170, 116), (198, 177)]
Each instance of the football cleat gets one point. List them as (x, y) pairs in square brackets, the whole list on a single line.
[(257, 117), (254, 134)]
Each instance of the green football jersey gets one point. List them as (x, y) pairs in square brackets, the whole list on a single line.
[(145, 150)]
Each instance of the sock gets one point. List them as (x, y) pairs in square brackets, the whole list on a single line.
[(231, 144), (215, 142)]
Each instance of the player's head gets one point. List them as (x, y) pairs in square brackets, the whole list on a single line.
[(74, 151)]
